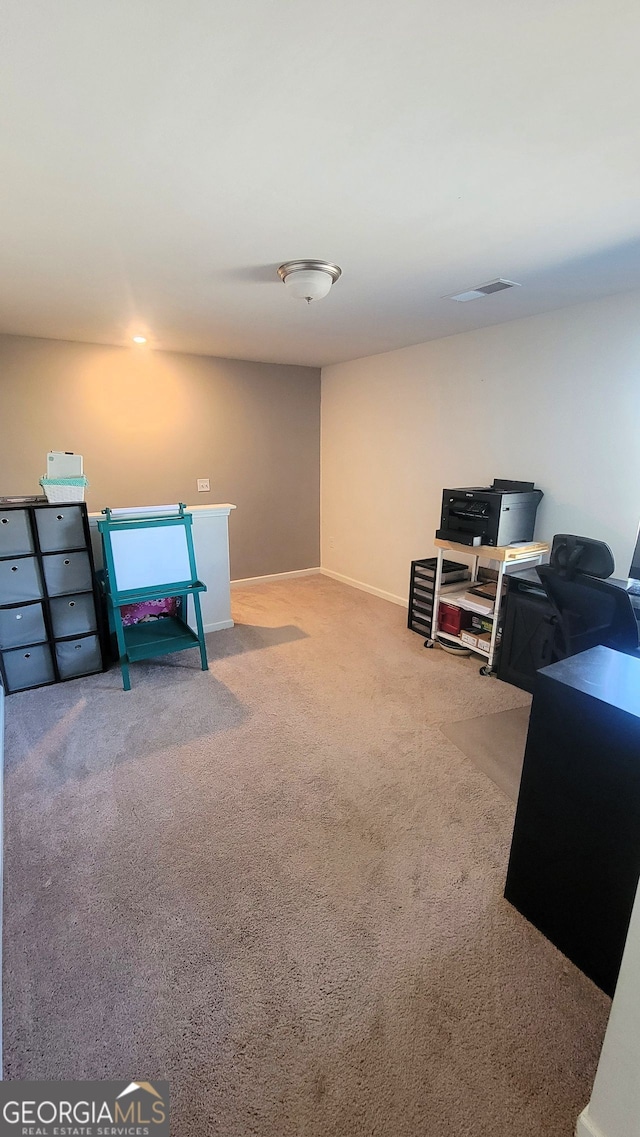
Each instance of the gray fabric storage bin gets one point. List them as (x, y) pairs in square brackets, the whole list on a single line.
[(28, 667), (15, 533), (22, 626), (60, 527), (73, 615), (20, 580), (67, 572), (78, 657)]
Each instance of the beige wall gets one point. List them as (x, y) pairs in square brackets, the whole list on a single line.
[(149, 423), (553, 399)]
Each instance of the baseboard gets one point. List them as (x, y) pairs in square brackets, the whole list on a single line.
[(217, 627), (401, 600), (274, 576), (585, 1127)]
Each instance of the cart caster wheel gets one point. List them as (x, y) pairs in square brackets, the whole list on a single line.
[(485, 671), (429, 643)]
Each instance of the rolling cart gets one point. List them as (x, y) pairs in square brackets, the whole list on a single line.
[(503, 556)]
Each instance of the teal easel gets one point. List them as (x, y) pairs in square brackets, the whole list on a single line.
[(148, 555)]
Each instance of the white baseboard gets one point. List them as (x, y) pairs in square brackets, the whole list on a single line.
[(585, 1126), (274, 576), (217, 627), (401, 600)]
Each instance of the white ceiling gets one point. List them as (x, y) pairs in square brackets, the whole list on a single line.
[(160, 158)]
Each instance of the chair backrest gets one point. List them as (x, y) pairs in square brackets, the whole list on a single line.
[(571, 555), (590, 611), (623, 633)]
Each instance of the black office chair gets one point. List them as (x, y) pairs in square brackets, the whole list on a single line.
[(624, 634), (572, 555), (589, 611)]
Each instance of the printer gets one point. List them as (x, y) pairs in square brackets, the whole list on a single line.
[(500, 514)]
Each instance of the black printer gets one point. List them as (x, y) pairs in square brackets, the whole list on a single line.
[(500, 514)]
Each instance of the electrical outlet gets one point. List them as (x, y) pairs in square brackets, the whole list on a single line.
[(203, 485)]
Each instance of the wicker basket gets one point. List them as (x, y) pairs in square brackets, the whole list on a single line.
[(64, 489)]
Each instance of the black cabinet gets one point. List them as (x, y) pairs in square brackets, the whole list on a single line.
[(575, 856), (49, 616)]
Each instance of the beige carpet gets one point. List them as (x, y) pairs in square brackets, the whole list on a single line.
[(279, 885)]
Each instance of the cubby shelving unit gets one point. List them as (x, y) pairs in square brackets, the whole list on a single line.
[(50, 628)]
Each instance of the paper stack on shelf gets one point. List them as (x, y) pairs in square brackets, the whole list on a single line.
[(488, 589), (481, 605)]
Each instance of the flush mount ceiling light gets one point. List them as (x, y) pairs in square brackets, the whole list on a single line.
[(309, 280), (139, 339)]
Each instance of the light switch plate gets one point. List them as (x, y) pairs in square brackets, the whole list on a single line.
[(203, 485)]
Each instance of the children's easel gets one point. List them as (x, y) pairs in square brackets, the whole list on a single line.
[(148, 555)]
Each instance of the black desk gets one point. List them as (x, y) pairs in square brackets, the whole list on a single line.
[(575, 855)]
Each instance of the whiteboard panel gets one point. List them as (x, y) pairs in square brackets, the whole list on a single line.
[(147, 558)]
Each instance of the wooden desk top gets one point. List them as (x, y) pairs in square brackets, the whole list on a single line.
[(497, 552)]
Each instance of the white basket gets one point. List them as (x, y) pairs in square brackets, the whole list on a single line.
[(62, 492)]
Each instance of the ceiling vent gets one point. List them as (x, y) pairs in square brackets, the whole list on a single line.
[(484, 290)]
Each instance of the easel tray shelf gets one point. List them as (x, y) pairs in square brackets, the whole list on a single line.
[(158, 637)]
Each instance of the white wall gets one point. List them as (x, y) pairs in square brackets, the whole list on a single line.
[(614, 1109), (553, 399)]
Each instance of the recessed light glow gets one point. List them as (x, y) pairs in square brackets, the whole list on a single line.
[(139, 339)]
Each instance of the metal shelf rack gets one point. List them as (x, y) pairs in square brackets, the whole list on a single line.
[(504, 556)]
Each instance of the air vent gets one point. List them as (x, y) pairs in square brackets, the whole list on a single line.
[(483, 290)]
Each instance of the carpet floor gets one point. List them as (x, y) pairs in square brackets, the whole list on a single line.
[(279, 885)]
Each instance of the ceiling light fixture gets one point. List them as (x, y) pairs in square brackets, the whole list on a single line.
[(139, 339), (309, 280)]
